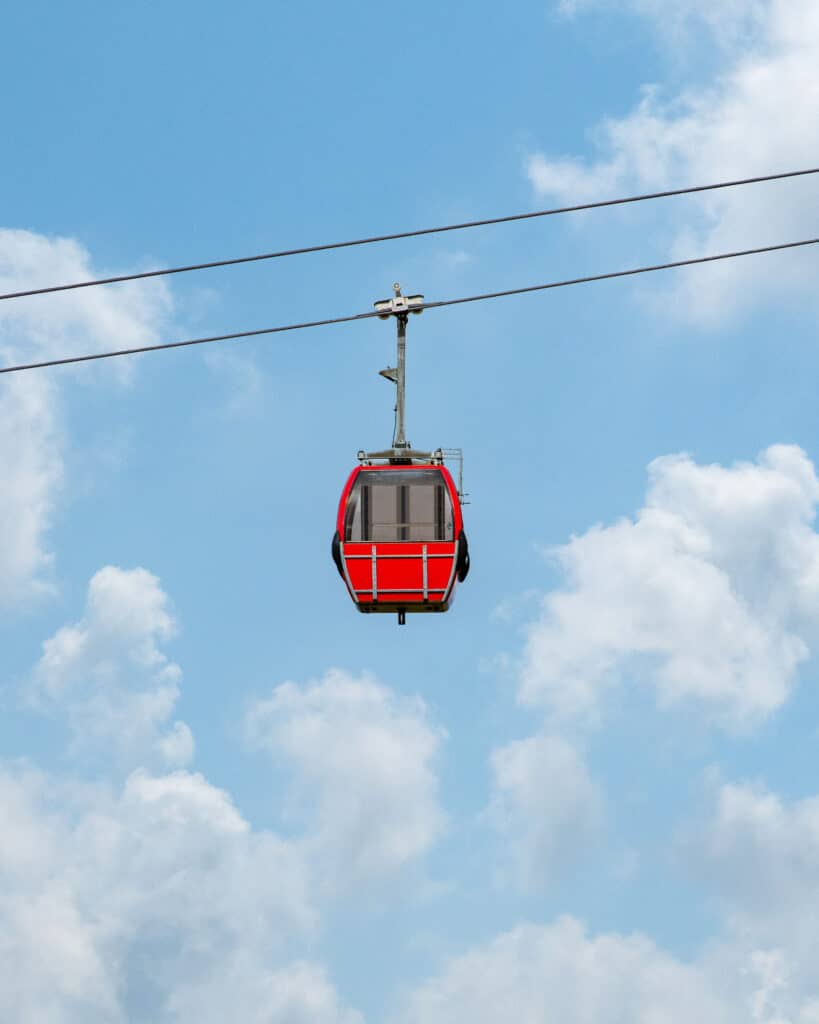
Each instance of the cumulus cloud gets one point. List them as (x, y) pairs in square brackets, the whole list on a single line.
[(546, 974), (732, 126), (760, 855), (558, 972), (153, 900), (363, 767), (32, 429), (108, 674), (544, 805), (710, 595), (125, 316), (155, 903)]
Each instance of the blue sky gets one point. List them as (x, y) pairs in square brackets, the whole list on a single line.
[(589, 791)]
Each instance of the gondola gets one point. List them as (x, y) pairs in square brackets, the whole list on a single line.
[(400, 544)]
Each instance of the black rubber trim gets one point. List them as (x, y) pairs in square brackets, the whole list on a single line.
[(462, 563), (336, 548)]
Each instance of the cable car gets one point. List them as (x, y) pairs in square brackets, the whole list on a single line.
[(400, 544)]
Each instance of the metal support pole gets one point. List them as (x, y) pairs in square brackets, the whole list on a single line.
[(400, 306), (401, 382)]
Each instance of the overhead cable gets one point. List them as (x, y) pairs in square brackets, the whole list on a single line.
[(426, 305), (417, 233)]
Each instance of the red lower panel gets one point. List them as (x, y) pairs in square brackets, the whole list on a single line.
[(399, 572)]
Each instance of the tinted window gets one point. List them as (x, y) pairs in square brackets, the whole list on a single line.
[(395, 505)]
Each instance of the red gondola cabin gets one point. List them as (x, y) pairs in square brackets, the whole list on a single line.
[(400, 544)]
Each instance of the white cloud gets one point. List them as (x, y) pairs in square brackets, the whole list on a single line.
[(177, 746), (109, 675), (244, 381), (74, 322), (31, 449), (157, 903), (756, 116), (771, 972), (730, 23), (711, 594), (555, 973), (32, 432), (297, 994), (362, 760), (544, 805), (760, 854), (454, 259), (558, 973), (153, 902), (50, 967)]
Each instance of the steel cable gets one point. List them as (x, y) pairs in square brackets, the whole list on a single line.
[(417, 233), (427, 305)]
